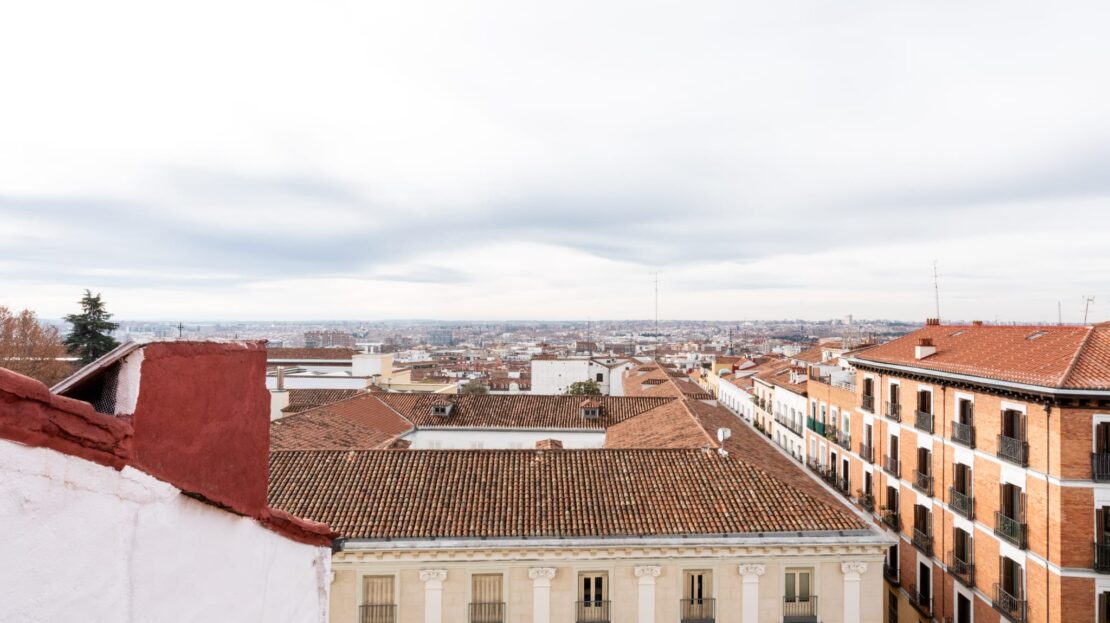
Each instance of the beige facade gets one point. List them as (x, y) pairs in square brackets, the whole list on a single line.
[(646, 582)]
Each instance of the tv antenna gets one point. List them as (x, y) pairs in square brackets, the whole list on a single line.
[(180, 329), (1087, 300), (936, 288), (655, 274)]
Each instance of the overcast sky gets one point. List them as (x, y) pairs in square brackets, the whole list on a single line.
[(481, 160)]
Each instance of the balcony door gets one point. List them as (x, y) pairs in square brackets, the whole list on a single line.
[(593, 596), (487, 601), (1013, 424), (963, 609), (377, 600), (895, 395), (697, 595), (798, 585), (1102, 438)]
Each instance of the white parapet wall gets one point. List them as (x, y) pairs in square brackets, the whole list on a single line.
[(85, 542)]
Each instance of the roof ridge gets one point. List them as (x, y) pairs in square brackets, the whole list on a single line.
[(1076, 356), (712, 442)]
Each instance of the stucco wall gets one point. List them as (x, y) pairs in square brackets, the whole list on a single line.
[(85, 542)]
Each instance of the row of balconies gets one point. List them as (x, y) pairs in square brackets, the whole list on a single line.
[(1011, 606), (699, 610)]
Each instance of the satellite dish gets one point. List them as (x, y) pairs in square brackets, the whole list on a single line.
[(723, 434)]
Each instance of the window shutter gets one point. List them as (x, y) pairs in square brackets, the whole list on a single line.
[(377, 590)]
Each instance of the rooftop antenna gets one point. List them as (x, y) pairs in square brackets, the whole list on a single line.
[(180, 329), (936, 288), (1087, 300), (656, 280)]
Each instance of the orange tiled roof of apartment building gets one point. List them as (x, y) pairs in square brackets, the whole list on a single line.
[(358, 423), (305, 399), (1068, 357), (390, 494), (517, 411)]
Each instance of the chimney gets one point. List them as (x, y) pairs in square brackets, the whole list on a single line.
[(977, 323), (400, 444), (549, 444), (281, 378), (279, 399), (924, 348), (930, 322)]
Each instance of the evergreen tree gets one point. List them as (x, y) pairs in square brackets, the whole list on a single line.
[(91, 336), (584, 388)]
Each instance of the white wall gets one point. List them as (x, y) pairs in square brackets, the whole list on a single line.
[(319, 382), (511, 439), (84, 542), (554, 376)]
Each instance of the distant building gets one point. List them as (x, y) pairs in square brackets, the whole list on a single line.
[(555, 375), (328, 339)]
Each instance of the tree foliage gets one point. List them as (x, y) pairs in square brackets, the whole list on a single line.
[(473, 386), (91, 336), (31, 348), (584, 388)]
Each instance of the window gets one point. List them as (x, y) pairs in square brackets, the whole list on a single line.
[(925, 401), (377, 600), (487, 604), (593, 587), (600, 377), (798, 585), (697, 595)]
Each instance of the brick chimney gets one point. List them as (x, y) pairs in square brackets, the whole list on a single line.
[(924, 348), (549, 444), (929, 322)]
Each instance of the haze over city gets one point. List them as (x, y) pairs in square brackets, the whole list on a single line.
[(497, 160)]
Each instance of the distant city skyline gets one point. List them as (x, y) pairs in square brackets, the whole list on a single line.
[(498, 160)]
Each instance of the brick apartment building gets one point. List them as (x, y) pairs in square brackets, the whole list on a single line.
[(986, 449)]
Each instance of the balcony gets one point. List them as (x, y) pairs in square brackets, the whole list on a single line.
[(894, 411), (891, 519), (819, 428), (844, 486), (866, 500), (962, 570), (963, 434), (961, 504), (1009, 605), (1013, 450), (697, 610), (592, 611), (891, 575), (922, 602), (1010, 529), (1100, 466), (377, 613), (892, 466), (923, 541), (923, 483), (866, 452), (487, 612), (1102, 557), (844, 440), (811, 424), (797, 610), (867, 403), (923, 421)]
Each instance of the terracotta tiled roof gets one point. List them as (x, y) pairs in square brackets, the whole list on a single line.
[(392, 494), (810, 355), (1048, 356), (669, 426), (305, 399), (310, 353), (781, 374), (357, 423), (518, 411)]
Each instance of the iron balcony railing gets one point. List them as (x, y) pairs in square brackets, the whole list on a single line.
[(819, 428), (1102, 557), (963, 434), (923, 541), (962, 570), (1013, 450), (961, 503), (892, 466), (811, 423), (894, 411), (867, 403), (487, 612), (1100, 466), (890, 572), (923, 483), (596, 611), (891, 518), (921, 601), (1011, 606), (799, 610), (866, 500), (698, 610), (923, 420), (377, 613), (844, 439), (844, 485), (866, 452), (1010, 529)]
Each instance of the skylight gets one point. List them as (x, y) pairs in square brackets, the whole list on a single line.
[(1034, 336)]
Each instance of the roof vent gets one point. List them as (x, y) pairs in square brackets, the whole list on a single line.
[(924, 348), (932, 322), (1035, 335), (442, 409)]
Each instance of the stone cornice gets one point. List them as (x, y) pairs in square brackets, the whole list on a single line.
[(648, 571), (433, 575), (542, 573)]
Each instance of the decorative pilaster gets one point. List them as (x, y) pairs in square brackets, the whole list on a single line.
[(647, 575), (750, 596), (541, 593), (852, 572), (433, 594)]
